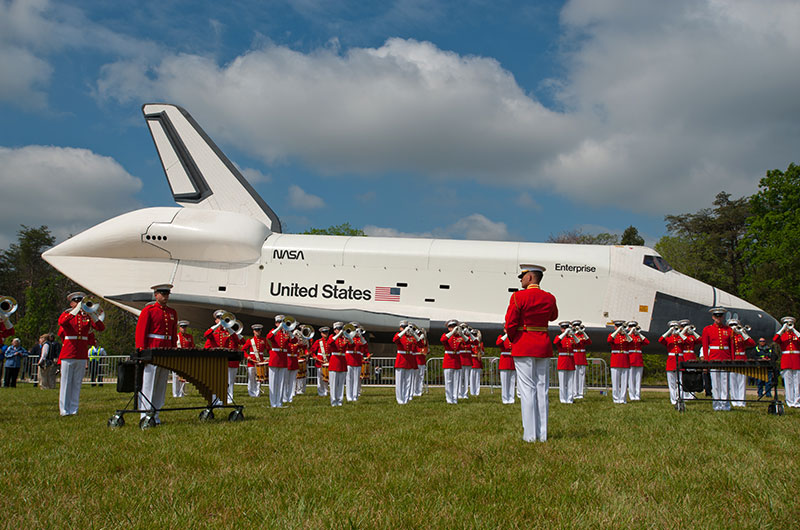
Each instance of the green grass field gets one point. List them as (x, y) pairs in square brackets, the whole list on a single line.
[(375, 464)]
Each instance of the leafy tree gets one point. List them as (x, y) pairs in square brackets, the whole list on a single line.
[(577, 237), (712, 239), (771, 242), (631, 237), (343, 229)]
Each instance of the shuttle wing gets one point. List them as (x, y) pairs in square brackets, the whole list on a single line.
[(199, 174)]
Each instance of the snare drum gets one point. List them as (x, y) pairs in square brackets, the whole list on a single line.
[(262, 372)]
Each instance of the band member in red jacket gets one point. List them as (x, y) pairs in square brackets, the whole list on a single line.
[(788, 338), (157, 327), (219, 336), (508, 375), (337, 363), (76, 329), (476, 347), (278, 340), (741, 341), (527, 317), (353, 359), (672, 340), (451, 364), (620, 365), (717, 341), (565, 343), (320, 352), (422, 358), (466, 363), (293, 352), (634, 348), (255, 351), (404, 363), (185, 340), (362, 349), (581, 362)]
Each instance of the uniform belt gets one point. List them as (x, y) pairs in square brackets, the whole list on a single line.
[(791, 351), (291, 355), (616, 351), (351, 352), (401, 351), (156, 336), (719, 348), (275, 349), (502, 353), (450, 352), (565, 355), (531, 328), (672, 354), (76, 337), (340, 354), (635, 351)]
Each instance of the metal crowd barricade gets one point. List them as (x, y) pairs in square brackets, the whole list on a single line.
[(596, 375), (106, 373), (434, 373)]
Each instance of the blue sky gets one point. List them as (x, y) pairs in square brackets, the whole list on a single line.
[(468, 119)]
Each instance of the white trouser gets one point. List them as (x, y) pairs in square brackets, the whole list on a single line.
[(508, 383), (719, 390), (178, 386), (738, 389), (580, 380), (415, 381), (451, 376), (351, 383), (791, 387), (463, 384), (322, 386), (231, 380), (672, 383), (69, 391), (276, 379), (533, 381), (154, 388), (300, 385), (420, 380), (289, 385), (635, 383), (475, 381), (337, 387), (402, 385), (253, 384), (565, 389), (619, 384), (358, 383)]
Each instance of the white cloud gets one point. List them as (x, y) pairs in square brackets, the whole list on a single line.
[(525, 200), (301, 200), (475, 226), (65, 188), (662, 105), (254, 176)]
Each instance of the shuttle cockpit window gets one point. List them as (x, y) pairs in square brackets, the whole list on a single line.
[(658, 263)]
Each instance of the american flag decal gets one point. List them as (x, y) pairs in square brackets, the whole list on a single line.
[(387, 294)]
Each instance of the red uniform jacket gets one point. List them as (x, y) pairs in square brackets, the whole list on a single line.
[(255, 350), (477, 355), (634, 349), (336, 349), (294, 350), (220, 338), (688, 348), (466, 353), (566, 360), (790, 350), (406, 346), (185, 341), (527, 316), (451, 347), (352, 353), (718, 342), (674, 345), (5, 332), (279, 344), (320, 351), (362, 349), (580, 351), (422, 352), (506, 361), (619, 355), (76, 331), (740, 346)]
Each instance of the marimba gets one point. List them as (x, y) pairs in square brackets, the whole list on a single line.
[(758, 369), (207, 370)]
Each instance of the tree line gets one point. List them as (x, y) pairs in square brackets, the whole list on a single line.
[(749, 247)]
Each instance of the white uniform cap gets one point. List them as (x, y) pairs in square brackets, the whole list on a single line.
[(338, 325), (76, 294), (183, 323), (684, 322), (524, 269), (218, 313), (162, 287), (787, 320), (324, 329), (403, 323), (632, 323), (257, 326), (733, 322), (564, 323), (279, 318), (576, 322), (672, 323), (618, 322), (717, 310), (452, 323)]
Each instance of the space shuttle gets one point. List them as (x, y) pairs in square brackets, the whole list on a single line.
[(222, 248)]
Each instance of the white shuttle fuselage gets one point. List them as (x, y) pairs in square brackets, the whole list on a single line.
[(222, 248)]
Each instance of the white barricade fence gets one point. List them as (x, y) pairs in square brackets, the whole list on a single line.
[(102, 371)]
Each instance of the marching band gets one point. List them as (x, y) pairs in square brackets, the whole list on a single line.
[(341, 359)]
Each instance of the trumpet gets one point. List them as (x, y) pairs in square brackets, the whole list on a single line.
[(91, 306), (8, 306), (289, 324), (416, 331)]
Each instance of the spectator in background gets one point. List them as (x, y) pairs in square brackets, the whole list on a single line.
[(13, 356), (34, 355), (47, 361), (95, 370), (764, 352)]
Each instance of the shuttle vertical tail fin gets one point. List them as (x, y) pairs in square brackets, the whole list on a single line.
[(199, 174)]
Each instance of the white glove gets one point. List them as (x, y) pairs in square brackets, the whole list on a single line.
[(7, 323), (405, 330), (75, 310), (616, 332), (504, 337), (338, 334), (667, 333), (566, 332)]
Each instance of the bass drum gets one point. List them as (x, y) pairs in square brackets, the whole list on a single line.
[(302, 368)]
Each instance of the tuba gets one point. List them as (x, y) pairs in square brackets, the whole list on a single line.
[(8, 306), (91, 306), (289, 324), (306, 332), (350, 331), (236, 327), (226, 320)]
